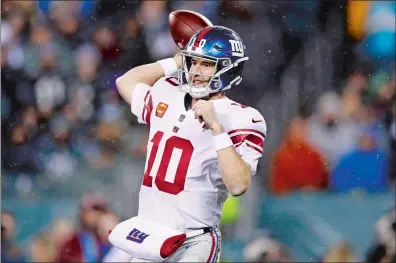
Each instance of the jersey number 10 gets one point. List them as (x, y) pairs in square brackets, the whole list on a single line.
[(181, 172)]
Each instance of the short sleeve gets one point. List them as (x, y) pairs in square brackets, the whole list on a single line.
[(142, 103), (248, 140)]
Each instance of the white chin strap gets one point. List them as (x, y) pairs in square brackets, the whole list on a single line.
[(197, 93)]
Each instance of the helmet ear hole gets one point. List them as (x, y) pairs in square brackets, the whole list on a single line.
[(225, 63), (237, 71)]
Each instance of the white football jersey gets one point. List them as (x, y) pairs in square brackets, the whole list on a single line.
[(182, 186)]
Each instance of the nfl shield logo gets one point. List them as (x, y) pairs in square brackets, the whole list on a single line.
[(181, 118)]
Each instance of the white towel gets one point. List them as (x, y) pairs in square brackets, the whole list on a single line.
[(145, 239)]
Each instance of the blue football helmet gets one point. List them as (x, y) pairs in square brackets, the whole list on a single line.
[(221, 46)]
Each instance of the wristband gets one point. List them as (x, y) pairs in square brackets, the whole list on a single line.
[(169, 66), (222, 141)]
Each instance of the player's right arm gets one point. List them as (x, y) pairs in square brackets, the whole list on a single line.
[(147, 74)]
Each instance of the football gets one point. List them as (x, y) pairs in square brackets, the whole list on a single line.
[(184, 24)]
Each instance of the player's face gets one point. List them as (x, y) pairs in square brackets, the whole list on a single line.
[(201, 71)]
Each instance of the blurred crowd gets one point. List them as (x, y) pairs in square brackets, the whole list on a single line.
[(59, 65), (63, 241), (86, 241), (347, 142), (346, 139), (61, 112)]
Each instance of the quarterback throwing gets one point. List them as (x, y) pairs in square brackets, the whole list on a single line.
[(202, 145)]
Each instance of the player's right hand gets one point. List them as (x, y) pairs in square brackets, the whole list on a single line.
[(205, 112), (178, 59)]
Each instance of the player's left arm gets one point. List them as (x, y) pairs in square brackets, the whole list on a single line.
[(238, 151)]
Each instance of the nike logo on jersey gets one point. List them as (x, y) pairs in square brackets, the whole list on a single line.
[(187, 246), (255, 121)]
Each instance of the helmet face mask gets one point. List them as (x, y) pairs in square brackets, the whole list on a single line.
[(198, 74), (212, 64)]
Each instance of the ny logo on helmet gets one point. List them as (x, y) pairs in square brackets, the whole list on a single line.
[(137, 236), (237, 48)]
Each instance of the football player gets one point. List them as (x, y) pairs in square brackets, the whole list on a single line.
[(202, 145)]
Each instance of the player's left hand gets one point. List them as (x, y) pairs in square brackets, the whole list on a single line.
[(204, 111)]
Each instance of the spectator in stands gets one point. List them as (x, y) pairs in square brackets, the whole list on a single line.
[(384, 249), (381, 92), (57, 149), (85, 244), (112, 254), (10, 252), (366, 101), (296, 164), (12, 38), (327, 130), (85, 89), (42, 249), (68, 26), (365, 167), (61, 230), (138, 149), (19, 156), (379, 41), (154, 15), (30, 121), (84, 9), (134, 43), (340, 252), (108, 42), (16, 86), (392, 131), (106, 223), (108, 133), (352, 96), (265, 249), (45, 54)]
